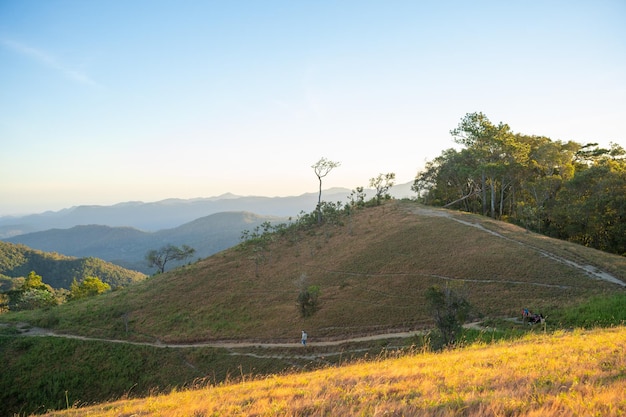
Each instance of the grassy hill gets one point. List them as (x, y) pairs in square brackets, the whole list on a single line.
[(372, 273), (372, 270), (58, 270)]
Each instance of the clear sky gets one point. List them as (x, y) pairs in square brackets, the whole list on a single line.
[(105, 101)]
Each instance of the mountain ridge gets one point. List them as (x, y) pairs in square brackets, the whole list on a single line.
[(172, 212), (127, 246)]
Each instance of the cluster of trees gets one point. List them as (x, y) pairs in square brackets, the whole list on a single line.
[(567, 190), (381, 184), (31, 292)]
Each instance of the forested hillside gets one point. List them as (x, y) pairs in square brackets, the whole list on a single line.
[(60, 271), (567, 190)]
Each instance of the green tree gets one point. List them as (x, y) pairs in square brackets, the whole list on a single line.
[(590, 209), (33, 294), (32, 299), (321, 169), (357, 197), (34, 282), (382, 184), (450, 180), (89, 287), (308, 300), (498, 155), (450, 310), (550, 165), (159, 258)]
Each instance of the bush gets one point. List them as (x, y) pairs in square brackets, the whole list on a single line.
[(89, 287), (450, 310), (31, 299), (308, 301)]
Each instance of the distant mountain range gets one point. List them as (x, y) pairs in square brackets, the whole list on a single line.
[(127, 246), (171, 213), (123, 233)]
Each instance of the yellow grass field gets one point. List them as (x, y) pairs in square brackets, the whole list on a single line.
[(577, 373)]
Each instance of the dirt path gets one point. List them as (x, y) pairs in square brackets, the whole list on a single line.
[(297, 351), (588, 269), (26, 330)]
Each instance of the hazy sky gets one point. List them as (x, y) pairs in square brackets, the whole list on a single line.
[(104, 101)]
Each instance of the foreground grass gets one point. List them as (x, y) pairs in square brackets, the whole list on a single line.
[(44, 373), (565, 374)]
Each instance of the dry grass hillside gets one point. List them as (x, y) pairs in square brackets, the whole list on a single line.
[(564, 374), (372, 272)]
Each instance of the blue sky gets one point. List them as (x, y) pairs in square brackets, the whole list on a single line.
[(109, 101)]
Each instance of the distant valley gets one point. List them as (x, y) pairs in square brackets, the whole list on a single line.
[(127, 246), (123, 233)]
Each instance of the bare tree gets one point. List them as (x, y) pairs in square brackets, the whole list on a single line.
[(167, 253), (322, 168)]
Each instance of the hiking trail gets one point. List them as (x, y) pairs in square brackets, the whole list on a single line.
[(590, 270)]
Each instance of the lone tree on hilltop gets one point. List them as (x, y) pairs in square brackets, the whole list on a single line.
[(168, 253), (322, 168)]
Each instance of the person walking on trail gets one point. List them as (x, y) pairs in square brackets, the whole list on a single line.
[(304, 337)]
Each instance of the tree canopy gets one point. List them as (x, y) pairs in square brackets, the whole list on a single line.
[(90, 286), (564, 189)]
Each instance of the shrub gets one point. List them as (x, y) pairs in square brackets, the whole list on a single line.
[(450, 310), (308, 300)]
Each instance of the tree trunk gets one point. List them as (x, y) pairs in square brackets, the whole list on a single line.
[(484, 192), (465, 197), (493, 199), (319, 203), (502, 198)]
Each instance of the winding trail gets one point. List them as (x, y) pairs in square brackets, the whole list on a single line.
[(26, 330), (299, 352), (590, 270)]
